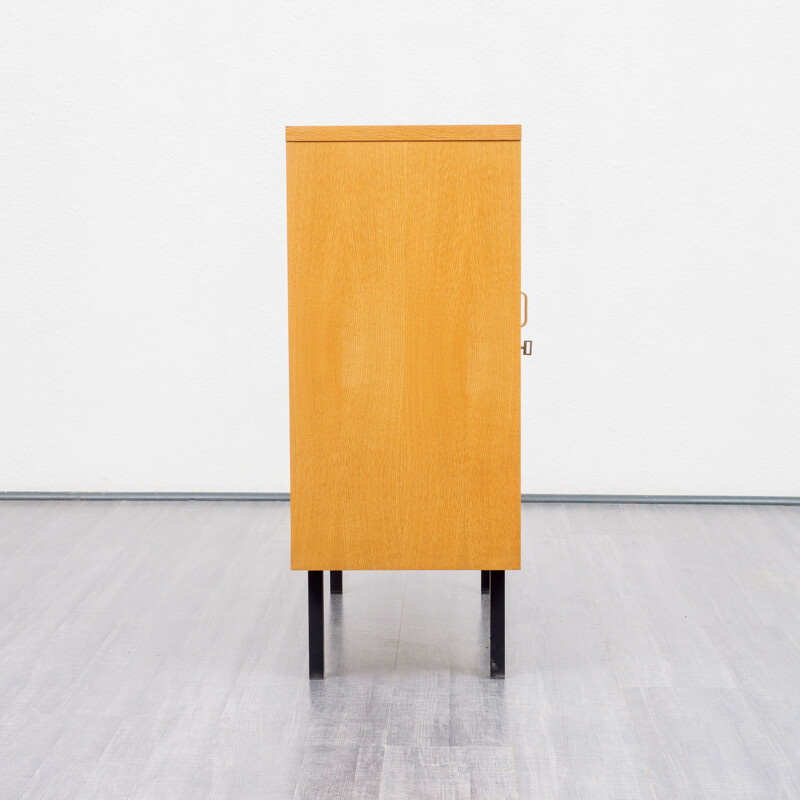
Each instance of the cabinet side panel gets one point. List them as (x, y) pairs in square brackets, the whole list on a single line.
[(462, 273), (404, 354), (345, 204)]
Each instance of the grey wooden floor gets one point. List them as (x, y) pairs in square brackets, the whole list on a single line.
[(158, 650)]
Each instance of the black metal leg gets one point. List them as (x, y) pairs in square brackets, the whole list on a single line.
[(485, 581), (336, 581), (497, 624), (316, 626)]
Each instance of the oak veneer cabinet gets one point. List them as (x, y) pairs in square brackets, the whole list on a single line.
[(404, 359)]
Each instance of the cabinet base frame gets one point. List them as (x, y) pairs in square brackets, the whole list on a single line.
[(316, 626), (497, 624), (493, 582)]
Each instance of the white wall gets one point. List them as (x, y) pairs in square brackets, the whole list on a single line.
[(142, 229)]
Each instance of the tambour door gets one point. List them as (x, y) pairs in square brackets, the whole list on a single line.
[(404, 355)]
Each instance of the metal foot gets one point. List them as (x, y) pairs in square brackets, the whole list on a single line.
[(316, 626), (336, 581), (485, 581), (497, 624)]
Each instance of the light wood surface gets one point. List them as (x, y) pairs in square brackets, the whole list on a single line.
[(404, 287), (402, 133)]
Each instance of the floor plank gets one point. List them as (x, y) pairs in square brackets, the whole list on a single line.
[(159, 649)]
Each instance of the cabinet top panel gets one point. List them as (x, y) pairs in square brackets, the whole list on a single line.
[(403, 133)]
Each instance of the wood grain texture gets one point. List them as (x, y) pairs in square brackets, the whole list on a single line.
[(402, 133), (404, 286)]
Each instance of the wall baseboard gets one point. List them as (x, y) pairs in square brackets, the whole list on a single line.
[(526, 498), (695, 499), (144, 496)]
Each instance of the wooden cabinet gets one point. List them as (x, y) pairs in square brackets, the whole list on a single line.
[(404, 359)]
